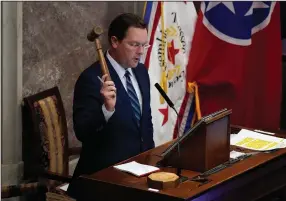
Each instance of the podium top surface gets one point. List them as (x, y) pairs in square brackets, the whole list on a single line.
[(249, 170)]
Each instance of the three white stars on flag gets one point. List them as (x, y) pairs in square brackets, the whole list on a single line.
[(230, 6)]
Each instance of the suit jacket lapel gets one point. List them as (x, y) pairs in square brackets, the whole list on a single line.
[(143, 89), (122, 96)]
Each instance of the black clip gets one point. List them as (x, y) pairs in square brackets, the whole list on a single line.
[(201, 179)]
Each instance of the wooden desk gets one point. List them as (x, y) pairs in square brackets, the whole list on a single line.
[(249, 179)]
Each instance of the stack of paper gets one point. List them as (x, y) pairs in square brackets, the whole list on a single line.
[(136, 169), (256, 141)]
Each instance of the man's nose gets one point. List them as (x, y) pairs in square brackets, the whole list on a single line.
[(140, 49)]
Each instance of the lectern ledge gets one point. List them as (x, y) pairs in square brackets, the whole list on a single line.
[(204, 146)]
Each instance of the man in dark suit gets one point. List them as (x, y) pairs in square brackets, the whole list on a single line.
[(113, 119)]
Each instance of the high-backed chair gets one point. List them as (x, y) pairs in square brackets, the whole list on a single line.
[(45, 151), (45, 148), (45, 136)]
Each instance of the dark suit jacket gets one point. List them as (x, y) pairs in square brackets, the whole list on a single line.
[(106, 143)]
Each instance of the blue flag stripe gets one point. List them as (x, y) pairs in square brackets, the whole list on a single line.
[(148, 10)]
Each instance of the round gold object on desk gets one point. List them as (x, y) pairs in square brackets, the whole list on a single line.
[(162, 180)]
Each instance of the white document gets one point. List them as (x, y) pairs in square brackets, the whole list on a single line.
[(257, 141), (235, 154), (64, 187), (136, 169)]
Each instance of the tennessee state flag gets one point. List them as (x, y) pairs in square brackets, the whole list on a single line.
[(236, 61)]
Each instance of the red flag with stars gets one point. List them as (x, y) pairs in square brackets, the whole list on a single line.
[(236, 61)]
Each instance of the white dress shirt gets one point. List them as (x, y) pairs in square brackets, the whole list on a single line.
[(121, 73)]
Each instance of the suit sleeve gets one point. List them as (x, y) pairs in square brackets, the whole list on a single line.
[(88, 117)]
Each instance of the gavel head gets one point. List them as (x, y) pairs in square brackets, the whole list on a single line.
[(94, 33)]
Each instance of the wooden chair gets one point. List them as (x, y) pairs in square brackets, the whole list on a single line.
[(45, 146), (31, 190)]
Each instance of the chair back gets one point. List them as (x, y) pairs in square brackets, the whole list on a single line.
[(45, 136)]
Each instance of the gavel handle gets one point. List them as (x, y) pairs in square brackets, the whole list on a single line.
[(104, 68)]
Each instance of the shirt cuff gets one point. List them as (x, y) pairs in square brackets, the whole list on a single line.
[(107, 114)]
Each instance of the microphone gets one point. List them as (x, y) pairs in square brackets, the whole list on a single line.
[(162, 92), (167, 99), (171, 104)]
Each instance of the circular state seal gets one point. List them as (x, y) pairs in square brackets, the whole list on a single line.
[(236, 22)]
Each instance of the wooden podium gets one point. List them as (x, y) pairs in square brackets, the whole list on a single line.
[(249, 179), (204, 146)]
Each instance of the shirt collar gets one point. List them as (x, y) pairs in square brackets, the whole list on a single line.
[(117, 67)]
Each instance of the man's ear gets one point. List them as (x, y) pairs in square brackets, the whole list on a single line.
[(114, 41)]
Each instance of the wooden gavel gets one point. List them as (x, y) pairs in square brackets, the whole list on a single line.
[(93, 37)]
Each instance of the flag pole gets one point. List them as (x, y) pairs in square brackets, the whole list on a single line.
[(144, 9)]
